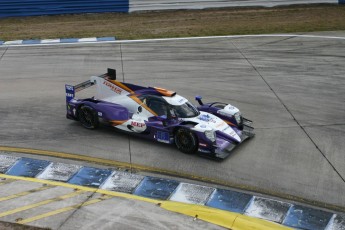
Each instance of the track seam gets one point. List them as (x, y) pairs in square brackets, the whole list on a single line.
[(3, 53), (288, 110), (123, 73), (94, 192), (77, 209), (129, 138)]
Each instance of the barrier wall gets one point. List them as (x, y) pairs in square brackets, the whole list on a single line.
[(143, 5), (15, 8)]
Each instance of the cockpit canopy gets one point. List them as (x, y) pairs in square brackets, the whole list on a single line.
[(169, 107)]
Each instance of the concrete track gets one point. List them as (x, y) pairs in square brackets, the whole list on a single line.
[(291, 87)]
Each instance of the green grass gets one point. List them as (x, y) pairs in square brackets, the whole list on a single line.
[(182, 23)]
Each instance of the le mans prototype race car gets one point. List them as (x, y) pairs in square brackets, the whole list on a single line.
[(211, 129)]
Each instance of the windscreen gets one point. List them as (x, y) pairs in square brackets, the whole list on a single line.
[(185, 110)]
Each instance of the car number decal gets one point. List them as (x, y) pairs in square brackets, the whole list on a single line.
[(163, 137)]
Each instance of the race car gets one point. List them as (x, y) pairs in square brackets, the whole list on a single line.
[(211, 129)]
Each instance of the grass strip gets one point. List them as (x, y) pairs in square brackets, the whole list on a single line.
[(180, 23)]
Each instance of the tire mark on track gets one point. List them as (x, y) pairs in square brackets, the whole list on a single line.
[(3, 54)]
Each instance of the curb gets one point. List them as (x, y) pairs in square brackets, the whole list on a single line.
[(58, 40), (212, 204)]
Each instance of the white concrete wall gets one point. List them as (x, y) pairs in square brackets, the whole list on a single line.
[(142, 5)]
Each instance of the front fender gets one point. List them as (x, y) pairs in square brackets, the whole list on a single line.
[(224, 111)]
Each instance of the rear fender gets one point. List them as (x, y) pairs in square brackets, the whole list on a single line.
[(111, 112), (106, 111)]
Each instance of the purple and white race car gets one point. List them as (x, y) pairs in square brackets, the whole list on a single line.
[(211, 129)]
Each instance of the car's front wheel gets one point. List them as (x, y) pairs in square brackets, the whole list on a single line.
[(186, 141), (88, 117)]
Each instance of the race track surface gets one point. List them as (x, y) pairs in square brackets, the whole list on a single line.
[(291, 87)]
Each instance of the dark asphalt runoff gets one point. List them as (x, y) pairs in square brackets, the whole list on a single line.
[(292, 87)]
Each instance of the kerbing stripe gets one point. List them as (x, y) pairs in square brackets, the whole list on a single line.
[(69, 40), (94, 39), (15, 42), (50, 41), (31, 42), (216, 216), (101, 39), (113, 40)]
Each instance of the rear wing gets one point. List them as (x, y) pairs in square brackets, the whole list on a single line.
[(72, 90)]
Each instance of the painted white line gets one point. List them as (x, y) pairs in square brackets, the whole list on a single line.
[(52, 42)]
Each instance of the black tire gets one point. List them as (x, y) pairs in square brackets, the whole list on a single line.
[(186, 141), (88, 117)]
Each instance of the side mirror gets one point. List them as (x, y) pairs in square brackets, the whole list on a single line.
[(163, 119), (140, 109), (198, 98)]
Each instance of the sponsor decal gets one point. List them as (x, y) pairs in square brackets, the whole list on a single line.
[(207, 118), (69, 87), (226, 128), (69, 92), (69, 95), (163, 137), (113, 87), (203, 126), (233, 133), (204, 150), (202, 144), (137, 124)]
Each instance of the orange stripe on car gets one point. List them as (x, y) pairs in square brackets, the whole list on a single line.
[(119, 84), (137, 100), (118, 122), (165, 92), (229, 123)]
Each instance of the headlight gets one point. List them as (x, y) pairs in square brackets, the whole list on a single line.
[(211, 135), (238, 117)]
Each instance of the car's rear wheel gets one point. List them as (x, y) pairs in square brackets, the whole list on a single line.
[(88, 117), (186, 141)]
